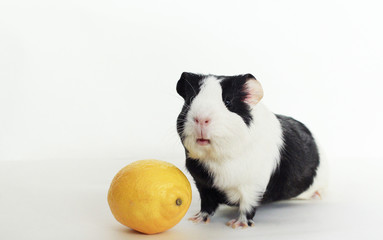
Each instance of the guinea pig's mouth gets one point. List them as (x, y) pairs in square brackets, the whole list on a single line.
[(203, 142)]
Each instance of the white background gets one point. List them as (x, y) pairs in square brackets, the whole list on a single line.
[(92, 83)]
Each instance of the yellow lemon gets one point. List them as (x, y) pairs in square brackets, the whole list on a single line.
[(149, 196)]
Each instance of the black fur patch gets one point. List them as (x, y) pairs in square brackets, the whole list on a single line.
[(189, 85), (233, 95), (298, 163)]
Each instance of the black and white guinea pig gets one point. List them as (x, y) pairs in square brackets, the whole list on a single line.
[(240, 153)]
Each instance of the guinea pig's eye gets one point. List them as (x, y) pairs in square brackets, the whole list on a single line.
[(227, 103)]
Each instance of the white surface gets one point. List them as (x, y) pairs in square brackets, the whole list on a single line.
[(92, 80), (67, 200)]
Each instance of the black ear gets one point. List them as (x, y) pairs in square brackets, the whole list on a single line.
[(249, 76), (181, 85), (186, 78)]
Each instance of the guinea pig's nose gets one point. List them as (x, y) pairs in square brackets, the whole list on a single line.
[(202, 121)]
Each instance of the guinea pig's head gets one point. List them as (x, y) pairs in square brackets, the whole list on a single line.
[(216, 118)]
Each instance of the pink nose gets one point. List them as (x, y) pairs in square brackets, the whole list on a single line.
[(202, 121)]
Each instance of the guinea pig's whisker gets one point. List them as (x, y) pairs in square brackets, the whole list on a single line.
[(183, 115), (181, 128), (182, 123)]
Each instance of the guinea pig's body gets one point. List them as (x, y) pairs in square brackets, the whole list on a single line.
[(238, 152)]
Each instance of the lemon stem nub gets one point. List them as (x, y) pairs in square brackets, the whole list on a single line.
[(178, 201)]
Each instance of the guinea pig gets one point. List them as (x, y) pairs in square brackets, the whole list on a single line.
[(240, 153)]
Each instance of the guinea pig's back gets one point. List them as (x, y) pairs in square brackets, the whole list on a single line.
[(298, 165)]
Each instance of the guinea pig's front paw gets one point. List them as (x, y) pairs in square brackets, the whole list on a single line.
[(239, 222), (201, 217)]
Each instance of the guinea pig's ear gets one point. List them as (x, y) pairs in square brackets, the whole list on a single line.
[(253, 89), (181, 84), (181, 88)]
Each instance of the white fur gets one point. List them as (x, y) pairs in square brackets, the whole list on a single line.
[(241, 159)]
